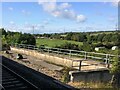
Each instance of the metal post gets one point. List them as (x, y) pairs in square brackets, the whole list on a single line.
[(80, 65), (18, 45), (25, 46), (70, 54), (34, 47), (48, 50), (58, 51), (107, 61), (85, 55)]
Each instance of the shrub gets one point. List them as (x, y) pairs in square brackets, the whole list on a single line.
[(68, 45)]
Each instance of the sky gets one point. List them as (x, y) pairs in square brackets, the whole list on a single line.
[(58, 17)]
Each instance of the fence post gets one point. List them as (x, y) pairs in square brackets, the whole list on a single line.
[(24, 47), (48, 50), (27, 47), (58, 51), (69, 53), (85, 55), (80, 65), (18, 45), (107, 60), (108, 65)]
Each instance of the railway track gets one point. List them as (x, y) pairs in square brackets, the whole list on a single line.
[(13, 81), (16, 76)]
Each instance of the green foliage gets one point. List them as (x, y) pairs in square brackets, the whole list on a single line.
[(115, 70), (116, 63), (100, 37), (55, 36), (99, 44), (69, 45), (65, 77), (68, 37), (87, 47), (16, 37), (106, 39), (54, 42), (3, 32), (27, 39), (80, 37), (5, 47)]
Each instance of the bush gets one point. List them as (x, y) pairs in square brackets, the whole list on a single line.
[(66, 77), (5, 47), (68, 45), (87, 47), (99, 45)]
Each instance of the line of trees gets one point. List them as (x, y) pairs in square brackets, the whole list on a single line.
[(9, 37), (105, 37), (89, 39)]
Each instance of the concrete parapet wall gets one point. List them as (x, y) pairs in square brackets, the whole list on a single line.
[(90, 76), (44, 56)]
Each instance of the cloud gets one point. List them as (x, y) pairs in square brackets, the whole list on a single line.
[(12, 22), (48, 6), (46, 22), (67, 14), (81, 18), (64, 6), (63, 10), (25, 12), (115, 3), (45, 1), (10, 8)]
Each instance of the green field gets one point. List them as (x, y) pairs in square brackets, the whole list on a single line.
[(54, 42)]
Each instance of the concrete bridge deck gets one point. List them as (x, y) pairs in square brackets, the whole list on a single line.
[(39, 58)]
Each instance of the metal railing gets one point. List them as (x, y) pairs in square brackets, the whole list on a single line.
[(105, 58)]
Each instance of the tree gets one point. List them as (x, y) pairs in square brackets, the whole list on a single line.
[(3, 31), (89, 39), (75, 37), (115, 70), (87, 47), (68, 37), (68, 45), (106, 38), (27, 39), (4, 45), (17, 37)]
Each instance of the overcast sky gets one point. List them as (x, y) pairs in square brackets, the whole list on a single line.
[(56, 17)]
